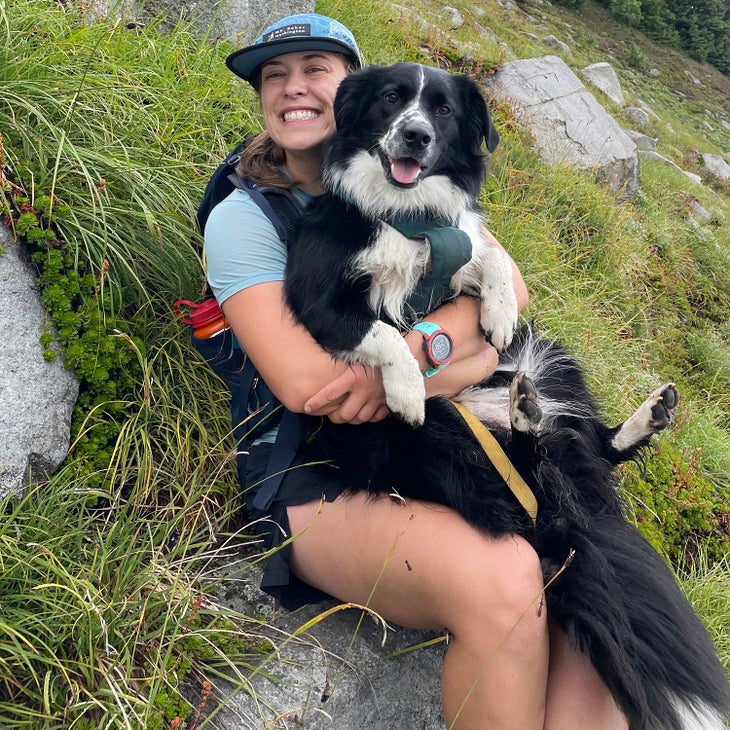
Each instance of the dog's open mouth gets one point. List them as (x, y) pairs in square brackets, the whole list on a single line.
[(405, 170)]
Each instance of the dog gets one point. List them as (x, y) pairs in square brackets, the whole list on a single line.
[(407, 153), (609, 591)]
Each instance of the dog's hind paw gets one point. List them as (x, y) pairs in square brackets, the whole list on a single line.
[(651, 417), (524, 411), (662, 403)]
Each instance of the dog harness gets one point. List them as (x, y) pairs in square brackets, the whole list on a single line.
[(517, 485), (450, 250)]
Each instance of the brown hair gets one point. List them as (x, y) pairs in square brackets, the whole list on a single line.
[(262, 162)]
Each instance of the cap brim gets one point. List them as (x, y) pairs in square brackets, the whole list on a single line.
[(244, 63)]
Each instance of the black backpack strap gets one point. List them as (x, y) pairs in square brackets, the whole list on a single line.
[(277, 204), (282, 455)]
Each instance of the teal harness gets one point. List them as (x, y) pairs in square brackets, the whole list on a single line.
[(450, 250)]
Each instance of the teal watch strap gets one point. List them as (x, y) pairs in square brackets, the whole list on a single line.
[(437, 357)]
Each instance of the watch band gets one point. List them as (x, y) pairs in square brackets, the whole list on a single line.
[(430, 331)]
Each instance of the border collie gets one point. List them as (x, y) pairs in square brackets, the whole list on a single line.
[(407, 153), (611, 593)]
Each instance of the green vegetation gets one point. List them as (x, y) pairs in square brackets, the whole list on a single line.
[(701, 29), (108, 614)]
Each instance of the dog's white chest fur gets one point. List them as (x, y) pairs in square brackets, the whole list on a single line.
[(395, 265)]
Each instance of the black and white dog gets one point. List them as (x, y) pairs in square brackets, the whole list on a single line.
[(408, 143), (407, 153)]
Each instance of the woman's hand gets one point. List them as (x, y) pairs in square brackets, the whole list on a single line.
[(356, 396)]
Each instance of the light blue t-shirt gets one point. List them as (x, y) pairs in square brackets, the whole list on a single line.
[(242, 247)]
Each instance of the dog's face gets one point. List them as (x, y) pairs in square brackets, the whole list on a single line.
[(404, 127)]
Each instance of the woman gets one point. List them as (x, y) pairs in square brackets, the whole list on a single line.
[(419, 565)]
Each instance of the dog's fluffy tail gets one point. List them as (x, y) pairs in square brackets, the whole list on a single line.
[(619, 603)]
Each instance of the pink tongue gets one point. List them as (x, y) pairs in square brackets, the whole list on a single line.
[(405, 170)]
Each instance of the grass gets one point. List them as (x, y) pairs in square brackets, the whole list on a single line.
[(108, 612)]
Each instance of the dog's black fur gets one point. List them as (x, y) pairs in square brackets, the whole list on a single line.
[(616, 599)]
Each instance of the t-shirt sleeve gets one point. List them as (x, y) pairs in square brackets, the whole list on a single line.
[(241, 247)]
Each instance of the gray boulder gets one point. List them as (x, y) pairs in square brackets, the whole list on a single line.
[(716, 165), (36, 397), (243, 19), (603, 76), (569, 126), (338, 674)]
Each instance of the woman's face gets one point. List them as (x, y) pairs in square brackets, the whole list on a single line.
[(297, 92)]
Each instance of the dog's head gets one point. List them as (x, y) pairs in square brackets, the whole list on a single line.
[(408, 133)]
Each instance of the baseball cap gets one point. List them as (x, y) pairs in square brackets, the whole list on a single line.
[(303, 32)]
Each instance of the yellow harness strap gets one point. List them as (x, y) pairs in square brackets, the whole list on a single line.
[(500, 461)]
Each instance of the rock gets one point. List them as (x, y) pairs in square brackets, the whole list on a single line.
[(652, 155), (243, 19), (642, 141), (716, 165), (692, 78), (638, 115), (453, 17), (569, 126), (603, 76), (37, 397), (343, 658), (557, 45)]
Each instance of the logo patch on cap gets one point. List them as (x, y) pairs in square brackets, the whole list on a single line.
[(296, 29)]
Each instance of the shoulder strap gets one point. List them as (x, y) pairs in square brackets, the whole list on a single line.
[(278, 205)]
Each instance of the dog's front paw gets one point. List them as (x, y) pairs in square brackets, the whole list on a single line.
[(499, 320), (405, 393), (662, 406)]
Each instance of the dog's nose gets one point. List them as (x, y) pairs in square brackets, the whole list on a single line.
[(417, 135)]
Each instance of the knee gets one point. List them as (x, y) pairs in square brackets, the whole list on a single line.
[(505, 590)]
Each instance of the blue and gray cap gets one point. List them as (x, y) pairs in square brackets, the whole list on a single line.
[(305, 32)]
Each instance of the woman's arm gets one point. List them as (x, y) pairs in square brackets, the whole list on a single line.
[(308, 379)]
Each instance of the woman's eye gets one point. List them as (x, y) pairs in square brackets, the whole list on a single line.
[(391, 97), (443, 111)]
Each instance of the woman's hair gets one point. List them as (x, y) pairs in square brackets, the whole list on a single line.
[(262, 160)]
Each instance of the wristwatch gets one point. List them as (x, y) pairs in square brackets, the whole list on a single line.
[(437, 344)]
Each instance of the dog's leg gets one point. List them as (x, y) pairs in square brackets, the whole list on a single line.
[(525, 415), (651, 417), (405, 392), (498, 301)]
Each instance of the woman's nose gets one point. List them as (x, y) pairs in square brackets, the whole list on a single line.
[(295, 85)]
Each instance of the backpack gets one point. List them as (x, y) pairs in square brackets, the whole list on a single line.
[(279, 205), (254, 408)]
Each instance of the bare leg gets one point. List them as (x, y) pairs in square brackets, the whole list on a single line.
[(422, 566), (576, 696)]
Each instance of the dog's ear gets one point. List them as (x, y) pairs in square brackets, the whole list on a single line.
[(479, 122), (353, 97)]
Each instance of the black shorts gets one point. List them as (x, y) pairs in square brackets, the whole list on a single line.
[(304, 481)]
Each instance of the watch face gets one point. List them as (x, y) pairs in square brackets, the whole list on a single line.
[(441, 348)]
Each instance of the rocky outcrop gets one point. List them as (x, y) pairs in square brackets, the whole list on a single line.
[(334, 667), (242, 19), (37, 397), (569, 126)]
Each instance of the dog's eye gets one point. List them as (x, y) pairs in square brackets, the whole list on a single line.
[(443, 111), (391, 97)]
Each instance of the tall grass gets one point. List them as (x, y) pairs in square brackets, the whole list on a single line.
[(106, 584)]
